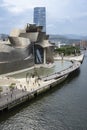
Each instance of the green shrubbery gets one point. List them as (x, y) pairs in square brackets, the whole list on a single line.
[(12, 86), (1, 90), (68, 50)]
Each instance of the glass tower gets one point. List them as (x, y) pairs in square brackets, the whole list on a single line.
[(40, 17)]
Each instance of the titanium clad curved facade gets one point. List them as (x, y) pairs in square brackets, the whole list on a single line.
[(26, 47), (17, 56), (19, 41), (15, 65), (32, 36)]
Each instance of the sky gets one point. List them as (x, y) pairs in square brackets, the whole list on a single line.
[(62, 16)]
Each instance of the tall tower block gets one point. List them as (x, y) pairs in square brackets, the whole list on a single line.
[(40, 17)]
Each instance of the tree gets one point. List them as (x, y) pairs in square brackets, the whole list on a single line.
[(68, 50), (1, 90), (12, 86)]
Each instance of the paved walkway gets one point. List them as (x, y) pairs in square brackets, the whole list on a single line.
[(21, 89), (70, 58)]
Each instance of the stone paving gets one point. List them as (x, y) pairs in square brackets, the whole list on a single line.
[(22, 88)]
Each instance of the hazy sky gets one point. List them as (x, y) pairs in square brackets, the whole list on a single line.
[(62, 16)]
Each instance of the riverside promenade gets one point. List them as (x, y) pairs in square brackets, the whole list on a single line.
[(23, 93), (28, 88), (75, 66), (78, 58)]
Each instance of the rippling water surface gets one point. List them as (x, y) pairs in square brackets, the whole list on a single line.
[(63, 108)]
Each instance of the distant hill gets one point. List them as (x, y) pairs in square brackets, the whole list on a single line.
[(60, 37), (74, 36), (64, 39), (69, 36)]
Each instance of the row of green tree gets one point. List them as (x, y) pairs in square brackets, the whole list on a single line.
[(68, 50)]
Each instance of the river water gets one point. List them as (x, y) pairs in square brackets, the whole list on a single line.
[(62, 108)]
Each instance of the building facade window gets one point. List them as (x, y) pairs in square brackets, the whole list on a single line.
[(38, 55)]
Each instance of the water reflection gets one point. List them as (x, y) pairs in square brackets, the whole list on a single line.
[(59, 65)]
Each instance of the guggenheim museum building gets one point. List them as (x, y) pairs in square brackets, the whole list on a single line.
[(25, 48)]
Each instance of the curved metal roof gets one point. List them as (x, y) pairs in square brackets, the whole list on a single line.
[(44, 44)]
